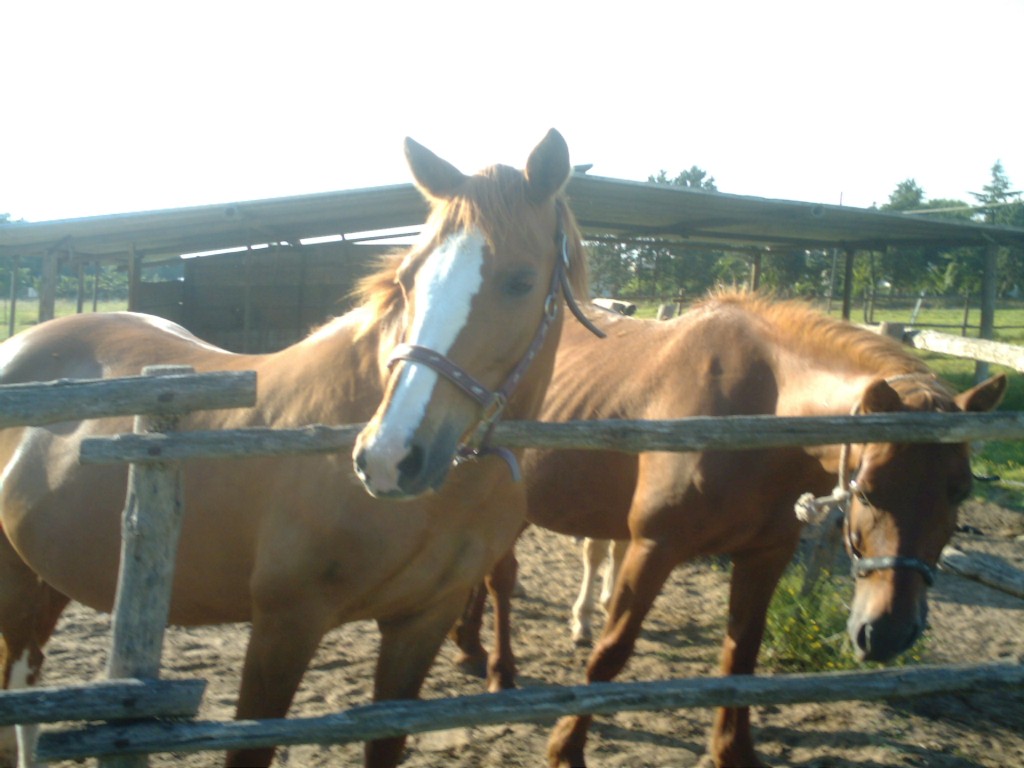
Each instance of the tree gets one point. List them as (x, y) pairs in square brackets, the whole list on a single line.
[(695, 178), (907, 196), (997, 192), (1006, 209), (662, 270)]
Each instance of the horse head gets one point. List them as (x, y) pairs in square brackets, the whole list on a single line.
[(479, 314), (902, 512)]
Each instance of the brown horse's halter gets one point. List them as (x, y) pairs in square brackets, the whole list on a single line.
[(492, 403), (815, 510)]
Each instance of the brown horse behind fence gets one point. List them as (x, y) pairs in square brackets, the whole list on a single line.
[(296, 545), (733, 355)]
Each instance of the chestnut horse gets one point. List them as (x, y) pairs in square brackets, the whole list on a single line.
[(293, 544), (738, 354)]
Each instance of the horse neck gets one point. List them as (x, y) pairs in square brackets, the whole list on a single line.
[(832, 387), (333, 376)]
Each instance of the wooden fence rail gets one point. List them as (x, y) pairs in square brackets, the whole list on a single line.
[(394, 718), (961, 346), (692, 434), (23, 405), (102, 700)]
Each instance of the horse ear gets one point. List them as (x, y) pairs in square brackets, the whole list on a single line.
[(879, 397), (436, 178), (547, 169), (985, 396)]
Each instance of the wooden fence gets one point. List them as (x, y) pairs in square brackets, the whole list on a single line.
[(153, 501)]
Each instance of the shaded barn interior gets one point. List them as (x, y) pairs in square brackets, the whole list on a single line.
[(261, 299)]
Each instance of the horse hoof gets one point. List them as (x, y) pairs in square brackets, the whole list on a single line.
[(474, 666), (498, 685), (582, 640)]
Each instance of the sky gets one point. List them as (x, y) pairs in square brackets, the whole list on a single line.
[(112, 107)]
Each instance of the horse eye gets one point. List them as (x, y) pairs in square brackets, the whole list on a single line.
[(860, 495), (855, 542), (518, 284)]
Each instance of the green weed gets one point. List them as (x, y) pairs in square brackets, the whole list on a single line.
[(807, 633)]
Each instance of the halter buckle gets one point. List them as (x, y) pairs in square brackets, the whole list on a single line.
[(492, 411)]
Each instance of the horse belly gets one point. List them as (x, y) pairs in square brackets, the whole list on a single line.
[(62, 518), (581, 493)]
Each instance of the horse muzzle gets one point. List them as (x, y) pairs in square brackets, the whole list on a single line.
[(884, 623), (397, 468)]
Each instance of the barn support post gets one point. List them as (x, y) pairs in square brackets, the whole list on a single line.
[(848, 284), (151, 525), (134, 278), (48, 287), (247, 302), (80, 271), (12, 322), (755, 271), (95, 285), (988, 305)]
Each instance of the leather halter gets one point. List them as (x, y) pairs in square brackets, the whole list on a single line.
[(493, 403), (862, 566)]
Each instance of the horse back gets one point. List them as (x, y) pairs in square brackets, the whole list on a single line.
[(714, 362)]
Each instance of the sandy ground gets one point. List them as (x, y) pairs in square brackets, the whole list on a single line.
[(969, 623)]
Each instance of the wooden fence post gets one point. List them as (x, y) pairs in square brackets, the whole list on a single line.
[(150, 527)]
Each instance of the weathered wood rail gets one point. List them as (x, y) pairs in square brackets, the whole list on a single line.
[(102, 700), (985, 350), (405, 717), (23, 405), (692, 434)]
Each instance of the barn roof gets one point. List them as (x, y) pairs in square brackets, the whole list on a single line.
[(603, 206)]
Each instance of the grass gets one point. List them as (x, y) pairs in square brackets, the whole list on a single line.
[(807, 633), (27, 312)]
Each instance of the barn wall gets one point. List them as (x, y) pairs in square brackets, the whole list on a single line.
[(262, 300)]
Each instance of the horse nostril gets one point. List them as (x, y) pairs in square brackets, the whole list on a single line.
[(360, 463), (864, 637), (412, 464)]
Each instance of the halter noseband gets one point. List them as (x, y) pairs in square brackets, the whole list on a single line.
[(492, 403), (812, 510)]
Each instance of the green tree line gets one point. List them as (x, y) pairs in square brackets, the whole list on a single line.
[(661, 271)]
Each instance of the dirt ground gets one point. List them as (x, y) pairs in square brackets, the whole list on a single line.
[(969, 623)]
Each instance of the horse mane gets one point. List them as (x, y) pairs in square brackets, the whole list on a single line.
[(797, 325), (490, 202)]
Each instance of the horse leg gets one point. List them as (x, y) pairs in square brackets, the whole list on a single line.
[(644, 569), (754, 578), (501, 583), (29, 611), (594, 551), (611, 571), (281, 645), (407, 649), (472, 658)]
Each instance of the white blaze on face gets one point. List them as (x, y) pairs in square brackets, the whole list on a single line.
[(445, 285)]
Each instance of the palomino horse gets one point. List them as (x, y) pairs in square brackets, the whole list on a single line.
[(442, 341), (732, 355)]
